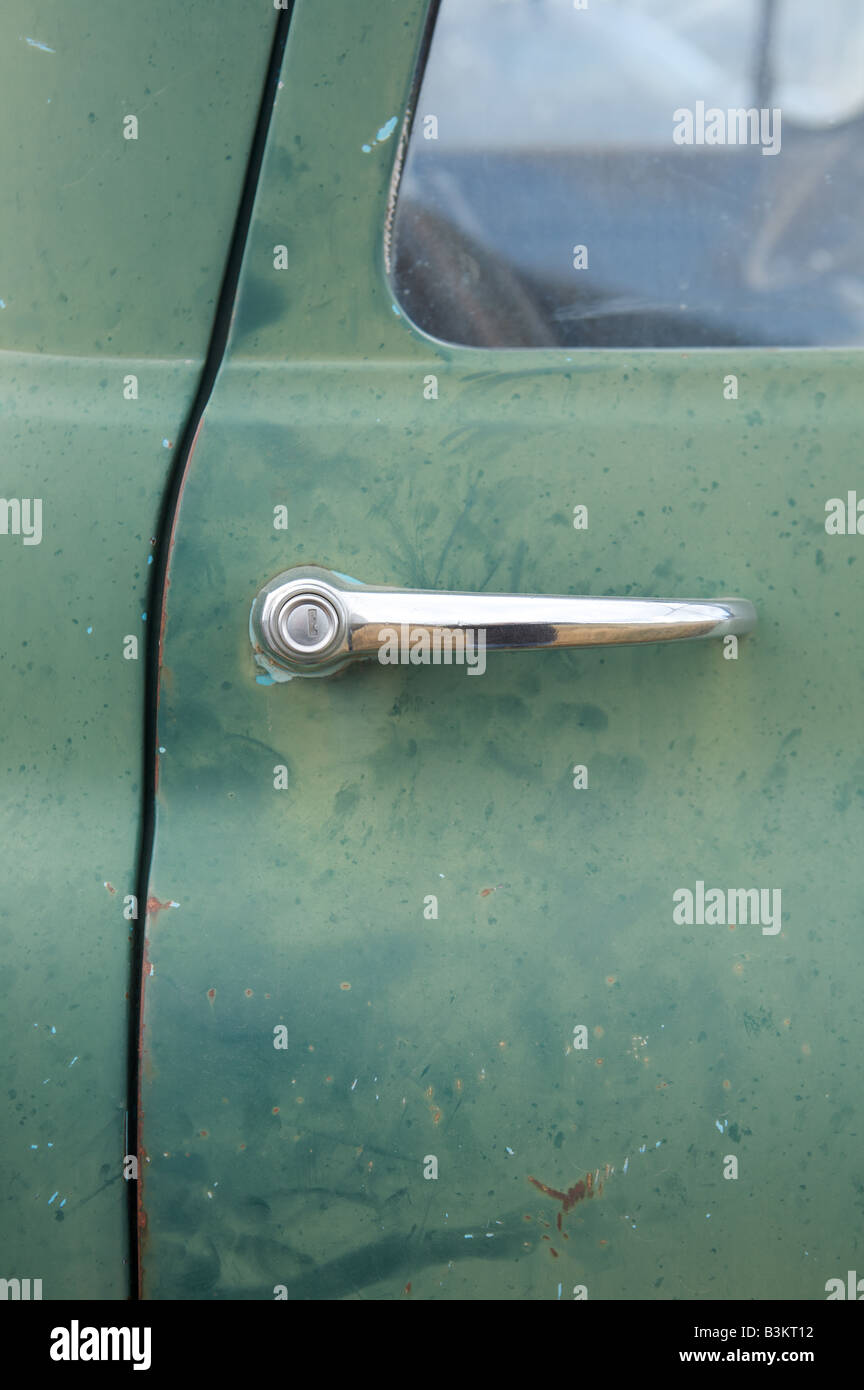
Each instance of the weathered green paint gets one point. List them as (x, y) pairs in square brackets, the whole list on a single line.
[(267, 1167), (112, 255), (112, 246)]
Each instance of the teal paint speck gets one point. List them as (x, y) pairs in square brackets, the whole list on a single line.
[(366, 148), (263, 680)]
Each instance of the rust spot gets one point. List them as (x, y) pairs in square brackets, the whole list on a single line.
[(154, 906), (110, 886), (142, 1215), (581, 1189)]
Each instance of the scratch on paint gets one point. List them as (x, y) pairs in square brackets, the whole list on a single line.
[(381, 135), (35, 43)]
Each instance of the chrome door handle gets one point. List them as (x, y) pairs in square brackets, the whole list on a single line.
[(310, 621)]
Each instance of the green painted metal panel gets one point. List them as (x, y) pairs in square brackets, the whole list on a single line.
[(115, 239), (112, 256), (300, 1167)]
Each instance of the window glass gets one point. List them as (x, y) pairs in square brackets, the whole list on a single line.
[(637, 173)]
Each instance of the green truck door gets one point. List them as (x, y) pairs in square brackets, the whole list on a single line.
[(443, 997)]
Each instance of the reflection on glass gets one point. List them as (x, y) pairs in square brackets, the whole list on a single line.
[(640, 173)]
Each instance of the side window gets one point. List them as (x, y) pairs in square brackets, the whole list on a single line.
[(637, 173)]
